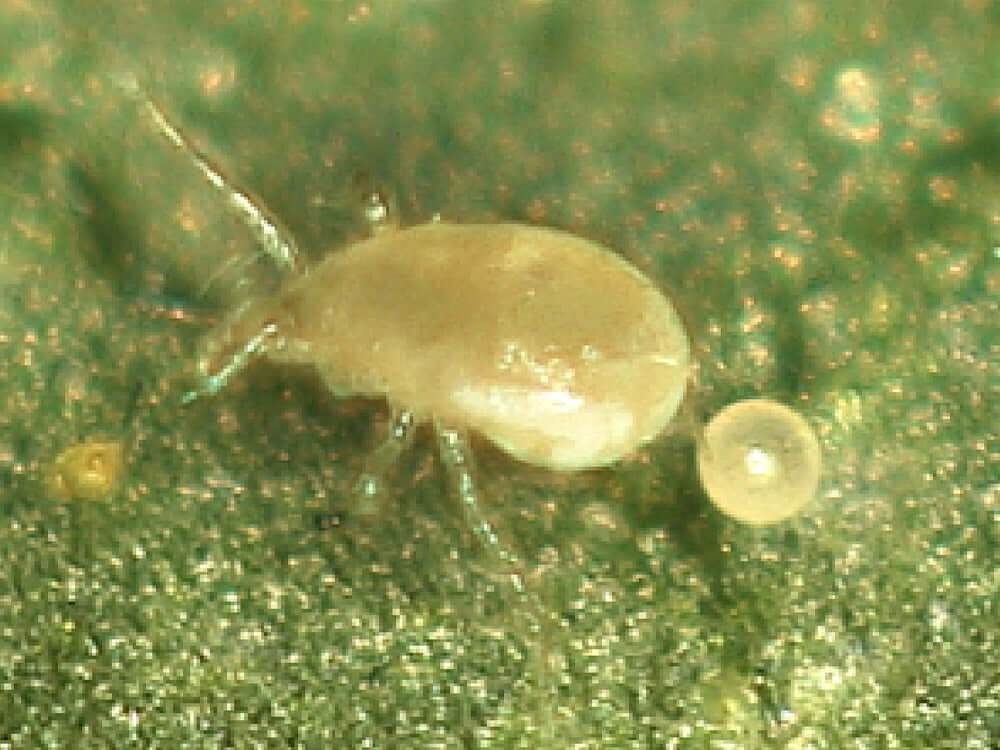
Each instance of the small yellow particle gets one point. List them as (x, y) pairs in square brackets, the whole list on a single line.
[(87, 471)]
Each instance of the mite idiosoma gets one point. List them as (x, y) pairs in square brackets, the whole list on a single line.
[(550, 346)]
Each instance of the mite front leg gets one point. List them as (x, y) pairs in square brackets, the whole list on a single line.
[(213, 381), (274, 240)]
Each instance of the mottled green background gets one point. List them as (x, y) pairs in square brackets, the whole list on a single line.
[(817, 186)]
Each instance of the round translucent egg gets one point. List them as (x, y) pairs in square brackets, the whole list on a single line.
[(759, 462)]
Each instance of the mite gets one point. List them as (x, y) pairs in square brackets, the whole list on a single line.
[(549, 345)]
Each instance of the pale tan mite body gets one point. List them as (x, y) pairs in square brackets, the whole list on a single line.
[(553, 348)]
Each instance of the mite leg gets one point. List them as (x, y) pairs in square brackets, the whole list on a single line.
[(210, 384), (369, 489), (274, 240), (456, 456)]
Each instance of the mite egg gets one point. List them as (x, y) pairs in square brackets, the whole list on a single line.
[(759, 462), (86, 471)]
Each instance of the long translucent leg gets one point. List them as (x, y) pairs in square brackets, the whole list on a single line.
[(215, 382), (457, 459), (369, 489), (274, 240)]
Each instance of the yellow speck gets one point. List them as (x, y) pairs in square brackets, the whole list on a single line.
[(87, 471)]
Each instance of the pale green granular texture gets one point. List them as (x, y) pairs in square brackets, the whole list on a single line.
[(816, 186)]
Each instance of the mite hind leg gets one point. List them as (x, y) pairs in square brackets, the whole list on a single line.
[(456, 455)]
